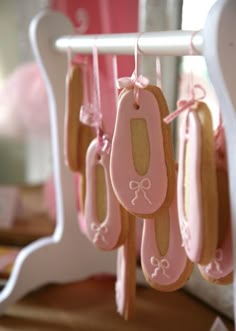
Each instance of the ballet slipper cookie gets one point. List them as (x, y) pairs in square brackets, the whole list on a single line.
[(164, 261), (142, 163), (86, 135), (197, 186), (77, 135), (126, 273), (106, 221), (220, 269)]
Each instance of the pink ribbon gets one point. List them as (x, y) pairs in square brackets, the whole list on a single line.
[(135, 82), (187, 104), (90, 117), (104, 143)]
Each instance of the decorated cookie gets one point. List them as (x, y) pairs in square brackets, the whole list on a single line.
[(220, 269), (106, 220), (77, 134), (197, 185), (126, 273), (86, 135), (142, 164), (164, 261)]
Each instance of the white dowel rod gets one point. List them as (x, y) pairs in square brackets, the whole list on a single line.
[(176, 43)]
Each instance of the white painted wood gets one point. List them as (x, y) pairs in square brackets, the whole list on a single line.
[(165, 43), (220, 53), (67, 255)]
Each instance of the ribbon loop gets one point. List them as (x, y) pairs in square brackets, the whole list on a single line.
[(134, 81), (90, 117), (187, 104)]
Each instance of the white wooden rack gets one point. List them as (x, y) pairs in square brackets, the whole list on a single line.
[(67, 255)]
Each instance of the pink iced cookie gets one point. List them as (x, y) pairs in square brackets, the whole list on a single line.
[(164, 261), (197, 189), (220, 269), (142, 165), (126, 273), (106, 221)]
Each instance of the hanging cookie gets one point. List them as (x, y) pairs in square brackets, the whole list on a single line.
[(197, 187), (77, 135), (220, 269), (126, 273), (164, 261), (142, 164), (106, 221)]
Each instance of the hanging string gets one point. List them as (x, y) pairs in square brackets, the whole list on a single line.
[(115, 76), (96, 80), (86, 80), (136, 81), (91, 114), (192, 51), (69, 54), (158, 72), (196, 92)]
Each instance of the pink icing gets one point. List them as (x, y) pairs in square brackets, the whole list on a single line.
[(164, 270), (104, 235), (191, 229), (222, 264), (140, 195)]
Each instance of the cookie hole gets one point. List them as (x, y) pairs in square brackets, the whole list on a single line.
[(136, 106)]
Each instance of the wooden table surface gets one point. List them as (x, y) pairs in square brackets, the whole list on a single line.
[(90, 305)]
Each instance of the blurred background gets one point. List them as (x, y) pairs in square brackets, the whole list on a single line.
[(27, 205)]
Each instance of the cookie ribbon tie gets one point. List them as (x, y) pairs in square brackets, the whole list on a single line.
[(187, 104), (135, 82)]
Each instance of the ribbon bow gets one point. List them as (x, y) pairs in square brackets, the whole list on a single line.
[(143, 185), (90, 117), (100, 231), (160, 265), (136, 82), (185, 104), (215, 262), (104, 142), (185, 233)]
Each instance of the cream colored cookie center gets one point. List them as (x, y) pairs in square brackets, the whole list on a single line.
[(101, 194), (140, 145)]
